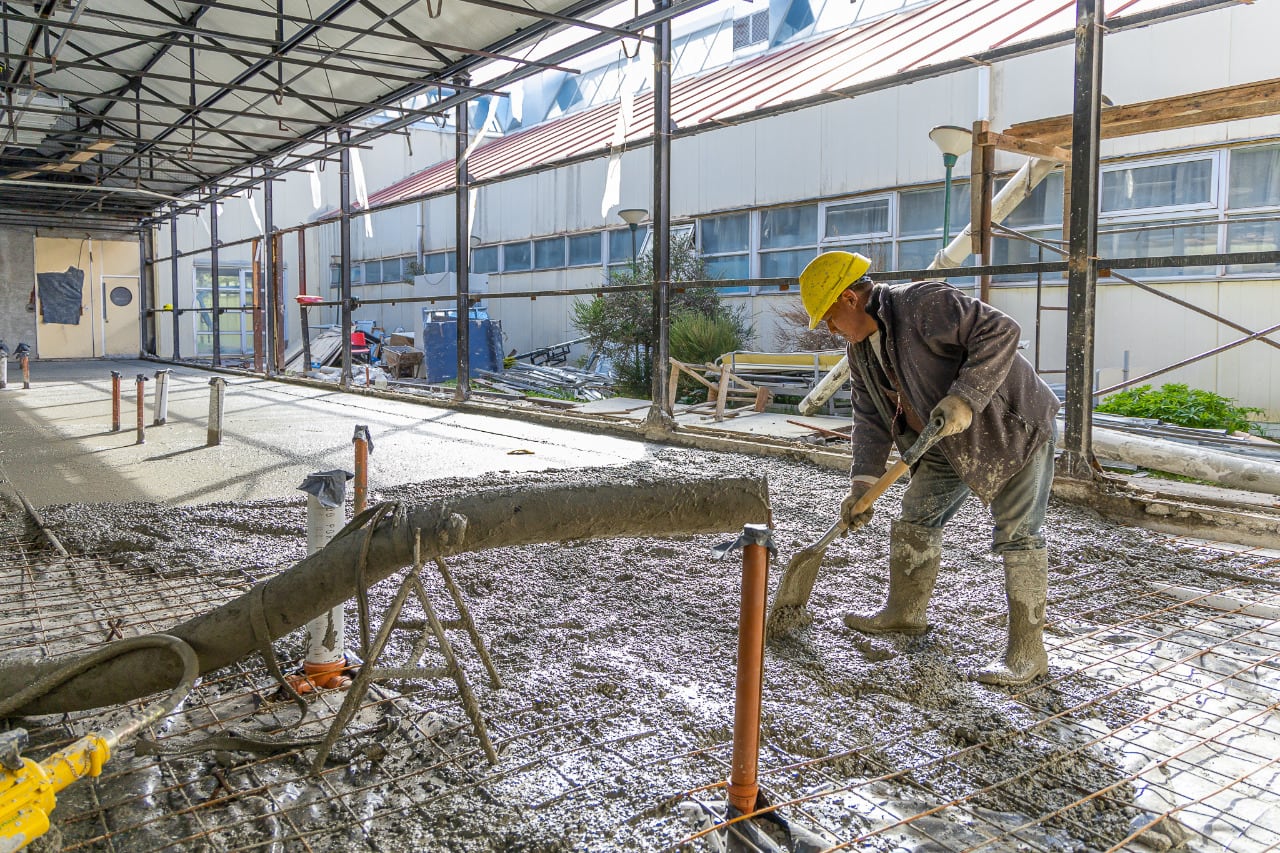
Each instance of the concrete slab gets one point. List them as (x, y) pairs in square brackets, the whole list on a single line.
[(56, 443)]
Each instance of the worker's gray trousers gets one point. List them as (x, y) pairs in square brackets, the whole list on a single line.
[(936, 494)]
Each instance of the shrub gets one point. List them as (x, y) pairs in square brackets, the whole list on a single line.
[(698, 338), (1178, 404)]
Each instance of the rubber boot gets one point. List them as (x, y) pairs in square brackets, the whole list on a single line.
[(1026, 584), (914, 555)]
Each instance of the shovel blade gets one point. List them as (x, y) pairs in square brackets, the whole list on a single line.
[(789, 604)]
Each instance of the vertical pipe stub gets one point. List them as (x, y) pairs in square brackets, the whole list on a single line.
[(115, 400), (23, 354), (140, 382), (4, 366), (326, 663), (162, 398), (363, 447), (217, 392), (757, 545)]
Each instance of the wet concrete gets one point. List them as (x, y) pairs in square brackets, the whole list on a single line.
[(634, 638)]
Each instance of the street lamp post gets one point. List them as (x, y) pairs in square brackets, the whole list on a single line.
[(633, 216), (952, 141)]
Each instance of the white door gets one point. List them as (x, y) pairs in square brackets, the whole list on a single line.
[(119, 299)]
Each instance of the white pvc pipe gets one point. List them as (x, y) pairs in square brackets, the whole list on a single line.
[(4, 370), (1227, 469), (327, 632), (162, 398), (951, 256)]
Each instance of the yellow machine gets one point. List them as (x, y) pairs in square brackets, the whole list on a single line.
[(28, 788)]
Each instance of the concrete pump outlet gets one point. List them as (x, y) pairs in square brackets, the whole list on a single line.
[(495, 518)]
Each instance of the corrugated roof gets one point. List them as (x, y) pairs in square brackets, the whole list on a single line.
[(932, 35)]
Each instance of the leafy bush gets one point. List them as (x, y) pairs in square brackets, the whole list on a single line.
[(621, 324), (697, 338), (1178, 404)]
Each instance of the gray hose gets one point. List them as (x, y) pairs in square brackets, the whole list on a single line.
[(149, 715)]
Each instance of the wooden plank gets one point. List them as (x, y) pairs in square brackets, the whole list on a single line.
[(1230, 103), (1030, 147), (71, 163)]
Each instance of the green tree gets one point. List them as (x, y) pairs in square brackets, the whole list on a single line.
[(621, 324)]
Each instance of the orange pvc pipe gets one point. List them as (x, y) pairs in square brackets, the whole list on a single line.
[(115, 401), (26, 372), (361, 496), (743, 785)]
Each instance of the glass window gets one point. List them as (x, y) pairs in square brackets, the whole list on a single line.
[(372, 272), (335, 274), (727, 267), (1042, 207), (391, 270), (722, 234), (548, 254), (1158, 239), (584, 250), (1255, 177), (785, 264), (920, 212), (1008, 250), (789, 227), (881, 253), (438, 262), (1164, 185), (918, 254), (516, 257), (1253, 237), (484, 259), (857, 217), (620, 244)]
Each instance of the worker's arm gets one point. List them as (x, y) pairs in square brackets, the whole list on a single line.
[(870, 440)]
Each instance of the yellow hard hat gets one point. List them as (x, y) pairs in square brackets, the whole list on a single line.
[(825, 278)]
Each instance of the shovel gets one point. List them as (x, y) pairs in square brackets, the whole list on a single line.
[(789, 604)]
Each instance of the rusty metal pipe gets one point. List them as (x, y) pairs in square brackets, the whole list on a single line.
[(743, 784), (25, 362), (115, 400), (480, 520), (362, 447), (141, 384)]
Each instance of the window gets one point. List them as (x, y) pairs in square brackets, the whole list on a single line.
[(1254, 183), (920, 217), (620, 244), (1038, 216), (516, 257), (856, 219), (788, 240), (584, 250), (1156, 239), (1185, 183), (548, 254), (753, 29), (437, 263), (373, 272), (1253, 237), (393, 269), (726, 248), (484, 259)]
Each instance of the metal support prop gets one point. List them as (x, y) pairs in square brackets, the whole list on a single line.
[(305, 328), (217, 393), (146, 287), (173, 285), (213, 271), (660, 413), (140, 385), (1082, 259), (344, 251), (272, 296), (24, 361), (257, 315), (363, 447), (162, 398), (462, 247), (743, 784), (115, 400)]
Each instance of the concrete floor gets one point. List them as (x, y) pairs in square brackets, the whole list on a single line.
[(56, 444)]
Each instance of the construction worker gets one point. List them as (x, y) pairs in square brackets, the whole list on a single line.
[(920, 351)]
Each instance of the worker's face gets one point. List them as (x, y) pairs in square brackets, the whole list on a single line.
[(848, 318)]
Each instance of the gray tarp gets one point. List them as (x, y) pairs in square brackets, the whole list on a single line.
[(61, 294)]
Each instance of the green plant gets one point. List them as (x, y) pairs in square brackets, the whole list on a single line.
[(698, 338), (621, 324), (1178, 404)]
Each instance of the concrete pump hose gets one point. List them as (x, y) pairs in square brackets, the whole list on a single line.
[(156, 711), (484, 519)]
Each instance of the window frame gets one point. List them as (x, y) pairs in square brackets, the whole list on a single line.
[(1168, 211)]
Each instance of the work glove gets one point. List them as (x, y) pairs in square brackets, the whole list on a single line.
[(955, 413), (852, 521)]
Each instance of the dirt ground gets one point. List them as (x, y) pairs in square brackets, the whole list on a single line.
[(618, 660)]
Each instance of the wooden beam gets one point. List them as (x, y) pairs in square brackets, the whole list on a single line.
[(69, 164), (1030, 147), (1231, 103)]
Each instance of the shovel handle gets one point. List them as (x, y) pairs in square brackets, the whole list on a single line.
[(927, 439)]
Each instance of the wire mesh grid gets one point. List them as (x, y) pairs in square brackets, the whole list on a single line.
[(1193, 752)]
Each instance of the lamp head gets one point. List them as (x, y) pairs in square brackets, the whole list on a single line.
[(633, 216), (952, 141)]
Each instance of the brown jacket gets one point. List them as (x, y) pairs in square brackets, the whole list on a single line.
[(937, 341)]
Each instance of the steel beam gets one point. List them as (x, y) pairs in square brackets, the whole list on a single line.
[(271, 305), (173, 285), (462, 232), (660, 413), (344, 253), (213, 270), (1082, 265)]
